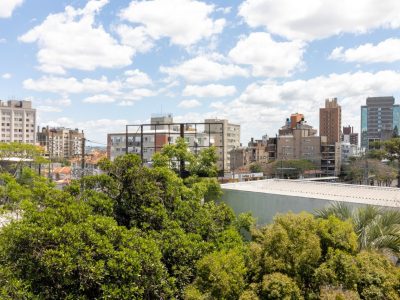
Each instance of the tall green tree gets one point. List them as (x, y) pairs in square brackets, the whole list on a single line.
[(376, 228), (392, 152)]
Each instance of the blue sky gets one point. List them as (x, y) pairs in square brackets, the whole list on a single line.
[(98, 65)]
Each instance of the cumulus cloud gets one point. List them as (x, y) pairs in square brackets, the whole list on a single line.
[(95, 130), (135, 37), (387, 51), (267, 57), (71, 85), (6, 76), (211, 90), (315, 19), (101, 98), (192, 103), (8, 6), (203, 69), (184, 22), (72, 40), (137, 78)]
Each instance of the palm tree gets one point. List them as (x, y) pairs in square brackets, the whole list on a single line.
[(377, 228)]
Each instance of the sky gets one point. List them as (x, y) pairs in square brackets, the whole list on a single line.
[(98, 65)]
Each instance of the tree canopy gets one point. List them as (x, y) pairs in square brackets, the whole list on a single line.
[(136, 232)]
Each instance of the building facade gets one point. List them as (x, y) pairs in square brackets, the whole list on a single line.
[(225, 144), (349, 136), (330, 121), (61, 143), (380, 120), (147, 139), (298, 141), (18, 122)]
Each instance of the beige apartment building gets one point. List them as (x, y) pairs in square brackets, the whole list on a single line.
[(18, 122), (61, 142), (230, 139), (298, 141), (330, 121)]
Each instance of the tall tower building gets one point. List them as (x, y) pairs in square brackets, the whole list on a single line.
[(18, 122), (380, 120), (330, 121)]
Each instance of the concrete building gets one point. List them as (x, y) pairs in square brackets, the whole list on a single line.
[(349, 136), (347, 151), (60, 142), (255, 152), (330, 121), (380, 119), (330, 158), (298, 141), (225, 144), (265, 198), (18, 122), (147, 139)]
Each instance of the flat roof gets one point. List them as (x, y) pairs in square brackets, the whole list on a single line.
[(362, 194)]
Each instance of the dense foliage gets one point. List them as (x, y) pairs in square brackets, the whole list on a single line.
[(146, 233)]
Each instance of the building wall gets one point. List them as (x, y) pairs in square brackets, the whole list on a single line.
[(330, 121), (18, 122), (230, 140), (61, 142), (299, 146), (265, 206), (379, 118)]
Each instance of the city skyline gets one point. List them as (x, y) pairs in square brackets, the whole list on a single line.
[(99, 65)]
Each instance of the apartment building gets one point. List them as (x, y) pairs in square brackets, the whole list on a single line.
[(225, 143), (380, 119), (349, 136), (330, 121), (147, 139), (18, 122), (298, 140), (60, 142)]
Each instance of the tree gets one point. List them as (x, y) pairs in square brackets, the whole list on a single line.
[(255, 168), (15, 155), (279, 286), (180, 159), (64, 251), (292, 168), (220, 275), (376, 228), (392, 152)]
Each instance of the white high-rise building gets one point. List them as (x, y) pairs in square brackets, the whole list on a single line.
[(18, 122)]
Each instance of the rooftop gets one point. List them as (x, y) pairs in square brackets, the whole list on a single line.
[(362, 194)]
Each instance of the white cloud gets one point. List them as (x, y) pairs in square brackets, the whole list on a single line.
[(49, 109), (70, 85), (72, 40), (3, 41), (192, 103), (135, 37), (6, 76), (95, 130), (7, 7), (315, 19), (101, 98), (137, 78), (267, 57), (211, 90), (185, 22), (386, 51), (203, 69)]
